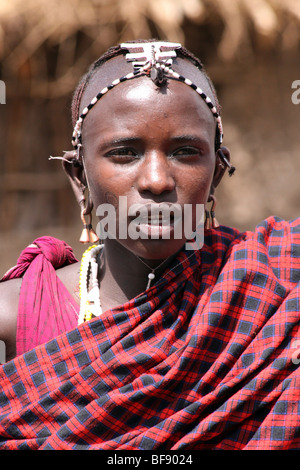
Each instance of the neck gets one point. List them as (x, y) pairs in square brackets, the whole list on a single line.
[(123, 275)]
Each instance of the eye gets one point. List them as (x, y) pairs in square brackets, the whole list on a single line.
[(185, 152), (122, 154)]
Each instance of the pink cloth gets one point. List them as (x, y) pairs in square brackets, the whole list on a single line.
[(46, 308)]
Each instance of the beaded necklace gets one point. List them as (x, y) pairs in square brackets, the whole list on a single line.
[(89, 291)]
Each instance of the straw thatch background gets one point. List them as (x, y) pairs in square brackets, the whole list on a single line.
[(250, 48)]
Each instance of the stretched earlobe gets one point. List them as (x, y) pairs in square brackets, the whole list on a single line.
[(74, 170), (210, 216), (88, 235), (223, 154), (222, 163)]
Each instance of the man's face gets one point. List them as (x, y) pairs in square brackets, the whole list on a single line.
[(152, 146)]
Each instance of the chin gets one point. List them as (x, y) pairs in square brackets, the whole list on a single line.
[(156, 249)]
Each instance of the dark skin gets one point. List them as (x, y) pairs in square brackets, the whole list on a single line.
[(152, 149)]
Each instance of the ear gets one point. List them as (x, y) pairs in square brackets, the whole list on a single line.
[(220, 167), (76, 175)]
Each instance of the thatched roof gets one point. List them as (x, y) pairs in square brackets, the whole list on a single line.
[(249, 47), (48, 45)]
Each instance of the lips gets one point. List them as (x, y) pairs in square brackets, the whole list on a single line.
[(155, 221), (154, 214)]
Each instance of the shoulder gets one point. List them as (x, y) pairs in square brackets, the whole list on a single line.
[(276, 243), (69, 276), (10, 288), (9, 301), (277, 227), (279, 236), (270, 232)]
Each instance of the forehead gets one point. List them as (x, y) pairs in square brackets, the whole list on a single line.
[(118, 66)]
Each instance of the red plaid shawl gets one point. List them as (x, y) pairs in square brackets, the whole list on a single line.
[(206, 359)]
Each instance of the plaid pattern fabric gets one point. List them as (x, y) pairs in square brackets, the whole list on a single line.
[(206, 359)]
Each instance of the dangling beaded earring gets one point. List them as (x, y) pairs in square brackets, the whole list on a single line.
[(210, 217), (207, 224), (88, 235), (214, 222)]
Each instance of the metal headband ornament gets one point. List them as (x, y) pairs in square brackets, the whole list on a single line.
[(155, 60), (152, 52)]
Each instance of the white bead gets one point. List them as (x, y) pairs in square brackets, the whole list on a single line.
[(91, 298), (151, 276)]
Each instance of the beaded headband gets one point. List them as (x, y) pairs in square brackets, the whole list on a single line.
[(155, 61)]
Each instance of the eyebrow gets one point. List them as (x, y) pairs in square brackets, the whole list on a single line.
[(189, 137), (179, 138), (121, 140)]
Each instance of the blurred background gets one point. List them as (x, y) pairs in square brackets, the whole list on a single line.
[(250, 49)]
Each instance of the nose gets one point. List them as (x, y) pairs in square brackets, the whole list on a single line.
[(155, 175)]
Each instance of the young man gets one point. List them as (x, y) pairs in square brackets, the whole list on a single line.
[(189, 348)]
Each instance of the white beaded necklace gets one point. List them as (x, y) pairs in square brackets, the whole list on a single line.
[(90, 303), (89, 291)]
